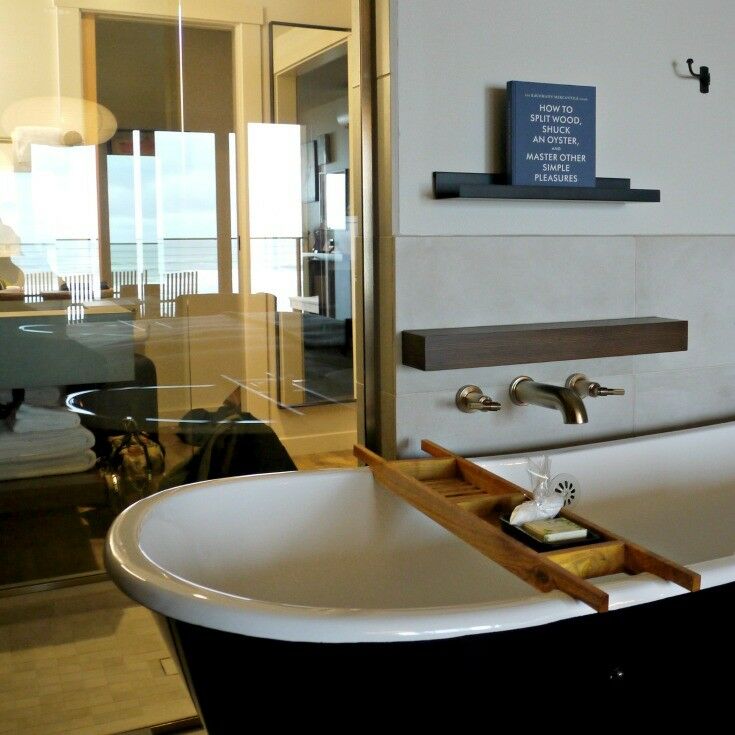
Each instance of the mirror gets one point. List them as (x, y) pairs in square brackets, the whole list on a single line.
[(309, 85)]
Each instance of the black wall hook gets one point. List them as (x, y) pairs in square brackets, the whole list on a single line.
[(703, 76)]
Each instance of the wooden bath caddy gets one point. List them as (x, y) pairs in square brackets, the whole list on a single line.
[(469, 500)]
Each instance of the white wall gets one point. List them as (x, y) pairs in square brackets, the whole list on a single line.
[(333, 13), (449, 75), (493, 262), (28, 55)]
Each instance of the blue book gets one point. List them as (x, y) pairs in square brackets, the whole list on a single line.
[(550, 134)]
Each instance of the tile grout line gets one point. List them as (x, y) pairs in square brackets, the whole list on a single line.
[(636, 361)]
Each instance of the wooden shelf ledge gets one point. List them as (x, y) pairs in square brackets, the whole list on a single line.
[(518, 344)]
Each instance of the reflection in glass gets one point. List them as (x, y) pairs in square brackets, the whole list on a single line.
[(335, 192), (54, 211), (274, 164), (55, 121), (310, 88), (137, 293), (163, 211), (140, 306), (274, 270)]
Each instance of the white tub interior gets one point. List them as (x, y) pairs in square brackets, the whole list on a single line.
[(335, 539), (339, 540)]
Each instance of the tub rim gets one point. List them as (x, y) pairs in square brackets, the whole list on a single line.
[(173, 596)]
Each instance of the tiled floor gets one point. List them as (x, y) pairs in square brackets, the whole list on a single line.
[(84, 661), (324, 460)]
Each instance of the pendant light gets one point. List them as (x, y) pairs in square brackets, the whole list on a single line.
[(57, 121)]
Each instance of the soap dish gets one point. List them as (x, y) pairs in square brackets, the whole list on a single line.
[(537, 545)]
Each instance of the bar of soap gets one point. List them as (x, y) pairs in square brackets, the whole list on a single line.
[(554, 529)]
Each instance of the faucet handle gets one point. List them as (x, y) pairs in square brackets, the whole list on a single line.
[(471, 398), (583, 387), (596, 390)]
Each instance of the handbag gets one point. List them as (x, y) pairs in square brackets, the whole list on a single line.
[(134, 467)]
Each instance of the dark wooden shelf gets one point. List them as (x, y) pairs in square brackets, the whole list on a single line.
[(449, 185), (53, 492), (517, 344)]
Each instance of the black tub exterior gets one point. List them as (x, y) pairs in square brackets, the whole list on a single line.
[(670, 644)]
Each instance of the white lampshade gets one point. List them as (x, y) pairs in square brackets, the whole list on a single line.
[(77, 121), (9, 241)]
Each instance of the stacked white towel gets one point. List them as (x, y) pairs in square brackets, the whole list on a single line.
[(78, 462), (35, 418), (43, 444), (44, 441)]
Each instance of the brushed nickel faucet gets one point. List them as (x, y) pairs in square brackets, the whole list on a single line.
[(583, 387), (525, 391)]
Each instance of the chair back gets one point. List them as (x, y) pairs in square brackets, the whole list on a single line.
[(36, 282), (178, 283), (82, 287), (123, 280)]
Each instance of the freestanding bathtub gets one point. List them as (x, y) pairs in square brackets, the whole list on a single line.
[(323, 586)]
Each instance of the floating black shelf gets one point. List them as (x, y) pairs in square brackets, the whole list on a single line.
[(450, 185)]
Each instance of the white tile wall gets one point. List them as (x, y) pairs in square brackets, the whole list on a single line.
[(476, 262), (675, 398), (453, 282), (447, 58), (689, 278), (410, 380), (434, 416), (469, 281), (459, 281)]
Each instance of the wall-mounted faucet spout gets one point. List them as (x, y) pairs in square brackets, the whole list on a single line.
[(525, 391)]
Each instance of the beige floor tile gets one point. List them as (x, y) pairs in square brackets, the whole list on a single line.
[(120, 725), (19, 703), (169, 666), (87, 730), (84, 662), (72, 726)]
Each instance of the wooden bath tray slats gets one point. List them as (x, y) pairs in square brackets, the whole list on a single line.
[(595, 560), (468, 501)]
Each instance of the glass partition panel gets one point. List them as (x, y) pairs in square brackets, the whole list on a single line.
[(310, 88), (168, 255), (163, 209), (177, 277)]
